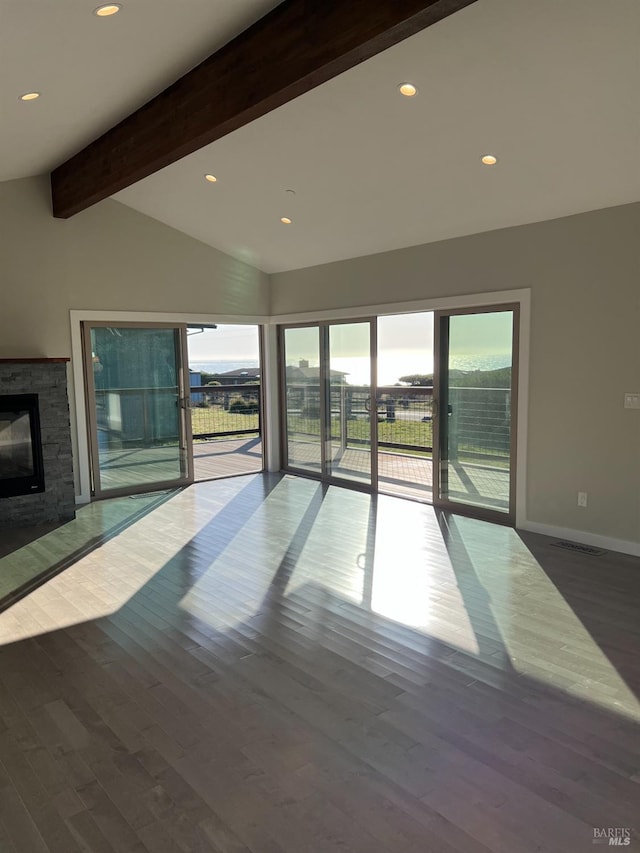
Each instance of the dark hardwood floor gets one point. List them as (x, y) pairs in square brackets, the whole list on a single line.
[(263, 664)]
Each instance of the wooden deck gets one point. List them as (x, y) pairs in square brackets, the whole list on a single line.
[(399, 474), (226, 457), (265, 665), (128, 467), (212, 459), (412, 476)]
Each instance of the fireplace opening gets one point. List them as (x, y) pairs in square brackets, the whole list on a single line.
[(21, 466)]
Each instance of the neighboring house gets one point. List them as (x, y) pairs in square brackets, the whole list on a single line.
[(311, 375), (195, 381), (238, 377)]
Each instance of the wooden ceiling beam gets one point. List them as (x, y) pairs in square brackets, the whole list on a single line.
[(294, 48)]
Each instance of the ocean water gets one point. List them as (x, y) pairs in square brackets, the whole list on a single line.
[(221, 366), (390, 367), (481, 362)]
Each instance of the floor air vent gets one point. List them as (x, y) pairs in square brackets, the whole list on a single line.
[(580, 549)]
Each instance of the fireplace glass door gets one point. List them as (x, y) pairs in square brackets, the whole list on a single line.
[(138, 407), (21, 469)]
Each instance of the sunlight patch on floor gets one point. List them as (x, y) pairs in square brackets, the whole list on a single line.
[(518, 590), (95, 520), (412, 575), (335, 555), (263, 541), (322, 550), (473, 586), (102, 580)]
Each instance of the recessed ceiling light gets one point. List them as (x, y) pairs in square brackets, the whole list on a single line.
[(30, 96), (107, 10), (285, 220), (408, 90), (489, 160), (211, 178)]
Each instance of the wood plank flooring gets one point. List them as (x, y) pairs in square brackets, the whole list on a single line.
[(264, 665), (29, 553)]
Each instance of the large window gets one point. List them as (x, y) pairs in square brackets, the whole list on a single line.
[(420, 405)]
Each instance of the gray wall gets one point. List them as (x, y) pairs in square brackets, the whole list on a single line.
[(109, 257), (584, 275)]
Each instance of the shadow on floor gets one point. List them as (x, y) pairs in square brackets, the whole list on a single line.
[(13, 538), (34, 555)]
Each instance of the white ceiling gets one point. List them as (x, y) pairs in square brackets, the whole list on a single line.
[(550, 87), (92, 72)]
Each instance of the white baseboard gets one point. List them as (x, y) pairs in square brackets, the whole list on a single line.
[(594, 539)]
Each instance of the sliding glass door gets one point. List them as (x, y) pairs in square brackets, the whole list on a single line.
[(327, 390), (349, 427), (303, 398), (449, 435), (475, 394), (138, 407)]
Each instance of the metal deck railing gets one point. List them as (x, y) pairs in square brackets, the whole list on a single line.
[(220, 411)]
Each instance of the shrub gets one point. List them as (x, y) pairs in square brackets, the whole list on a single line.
[(311, 411), (240, 406)]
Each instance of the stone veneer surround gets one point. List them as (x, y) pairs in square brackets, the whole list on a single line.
[(48, 379)]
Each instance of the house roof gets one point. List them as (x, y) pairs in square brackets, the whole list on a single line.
[(550, 88), (295, 372), (244, 372)]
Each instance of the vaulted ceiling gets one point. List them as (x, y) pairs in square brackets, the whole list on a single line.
[(92, 72), (549, 88)]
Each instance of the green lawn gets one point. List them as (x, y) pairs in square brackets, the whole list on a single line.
[(414, 433), (216, 419), (400, 432)]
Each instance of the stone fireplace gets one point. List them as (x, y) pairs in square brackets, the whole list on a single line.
[(36, 466)]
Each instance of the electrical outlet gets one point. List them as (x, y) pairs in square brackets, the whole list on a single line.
[(582, 498), (632, 401)]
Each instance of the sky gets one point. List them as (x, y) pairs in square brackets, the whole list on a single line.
[(225, 343), (481, 334), (405, 344)]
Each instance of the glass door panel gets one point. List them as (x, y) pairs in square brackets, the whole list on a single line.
[(476, 411), (138, 425), (405, 396), (303, 404), (226, 399), (349, 438)]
